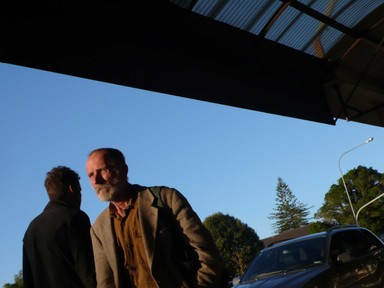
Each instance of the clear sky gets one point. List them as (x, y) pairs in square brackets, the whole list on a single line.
[(223, 159)]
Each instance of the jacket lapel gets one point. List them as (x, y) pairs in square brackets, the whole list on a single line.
[(148, 218)]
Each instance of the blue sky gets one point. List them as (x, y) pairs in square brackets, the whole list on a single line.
[(223, 159)]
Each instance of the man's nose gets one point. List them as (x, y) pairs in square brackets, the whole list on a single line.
[(98, 179)]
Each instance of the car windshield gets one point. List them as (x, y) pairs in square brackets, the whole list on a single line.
[(279, 259)]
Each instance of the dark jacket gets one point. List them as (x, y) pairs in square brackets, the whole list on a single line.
[(57, 249)]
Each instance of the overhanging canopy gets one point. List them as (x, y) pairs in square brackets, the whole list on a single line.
[(314, 60)]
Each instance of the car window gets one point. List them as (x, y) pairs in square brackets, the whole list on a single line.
[(355, 242), (286, 257), (374, 242)]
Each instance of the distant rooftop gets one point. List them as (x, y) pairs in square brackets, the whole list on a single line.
[(290, 234)]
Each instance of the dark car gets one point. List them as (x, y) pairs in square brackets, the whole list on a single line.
[(349, 256)]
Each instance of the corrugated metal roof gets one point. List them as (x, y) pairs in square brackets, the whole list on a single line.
[(306, 25)]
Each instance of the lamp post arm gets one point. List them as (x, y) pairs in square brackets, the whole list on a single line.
[(370, 202), (342, 177), (345, 187)]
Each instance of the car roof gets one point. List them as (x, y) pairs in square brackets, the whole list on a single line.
[(298, 239), (324, 234)]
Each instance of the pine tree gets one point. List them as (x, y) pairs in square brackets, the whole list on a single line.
[(289, 212)]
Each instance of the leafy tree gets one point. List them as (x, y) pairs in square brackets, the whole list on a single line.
[(290, 213), (237, 242), (363, 184), (18, 281), (319, 226)]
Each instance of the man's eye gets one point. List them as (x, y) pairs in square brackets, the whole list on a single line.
[(104, 171)]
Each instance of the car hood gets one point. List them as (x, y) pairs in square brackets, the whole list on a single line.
[(294, 278)]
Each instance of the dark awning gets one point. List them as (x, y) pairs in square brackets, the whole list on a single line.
[(314, 60)]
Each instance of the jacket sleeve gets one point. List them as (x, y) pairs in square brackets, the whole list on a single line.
[(104, 272), (27, 270), (81, 247), (211, 270)]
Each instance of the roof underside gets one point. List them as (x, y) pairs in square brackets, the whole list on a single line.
[(314, 60)]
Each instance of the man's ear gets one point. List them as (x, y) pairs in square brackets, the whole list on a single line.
[(71, 188), (74, 187)]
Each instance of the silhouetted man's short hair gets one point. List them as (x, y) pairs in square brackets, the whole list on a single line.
[(58, 180)]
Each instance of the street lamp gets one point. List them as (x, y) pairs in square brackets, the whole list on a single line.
[(342, 177), (361, 208)]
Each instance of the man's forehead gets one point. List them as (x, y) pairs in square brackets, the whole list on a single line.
[(97, 154), (95, 160), (103, 159)]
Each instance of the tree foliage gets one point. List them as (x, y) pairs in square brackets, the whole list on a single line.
[(319, 226), (289, 212), (237, 243), (363, 184), (18, 281)]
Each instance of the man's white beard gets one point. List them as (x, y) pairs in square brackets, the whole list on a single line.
[(106, 192)]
